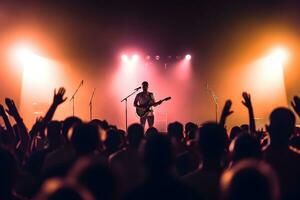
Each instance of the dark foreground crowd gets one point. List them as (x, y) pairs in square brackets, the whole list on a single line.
[(77, 160)]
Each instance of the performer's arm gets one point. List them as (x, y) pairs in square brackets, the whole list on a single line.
[(136, 100), (152, 98)]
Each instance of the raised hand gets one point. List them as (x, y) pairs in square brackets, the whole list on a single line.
[(227, 108), (247, 100), (12, 108), (23, 133), (248, 104), (58, 99), (296, 104), (59, 96), (226, 112), (38, 124), (6, 120)]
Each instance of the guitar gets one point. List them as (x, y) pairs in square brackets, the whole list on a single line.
[(143, 111)]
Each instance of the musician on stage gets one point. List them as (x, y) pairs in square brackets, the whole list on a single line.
[(143, 100)]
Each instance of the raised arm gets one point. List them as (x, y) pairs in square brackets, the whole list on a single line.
[(41, 123), (296, 105), (9, 129), (5, 119), (23, 133), (226, 112), (13, 111), (58, 98), (248, 104)]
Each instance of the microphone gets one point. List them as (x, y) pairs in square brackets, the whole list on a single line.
[(79, 86), (138, 88)]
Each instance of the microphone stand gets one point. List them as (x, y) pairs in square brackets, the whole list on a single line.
[(126, 112), (215, 99), (91, 104), (73, 97)]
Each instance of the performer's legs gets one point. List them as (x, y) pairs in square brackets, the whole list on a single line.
[(150, 120), (143, 121)]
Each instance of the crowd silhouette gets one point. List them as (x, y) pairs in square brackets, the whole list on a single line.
[(74, 159)]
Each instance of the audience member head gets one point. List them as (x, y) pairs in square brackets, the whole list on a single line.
[(151, 131), (122, 134), (282, 124), (113, 140), (57, 189), (68, 123), (8, 169), (103, 124), (54, 133), (158, 155), (245, 146), (212, 141), (97, 177), (248, 180), (235, 131), (175, 130), (135, 135), (245, 128), (85, 138), (191, 130)]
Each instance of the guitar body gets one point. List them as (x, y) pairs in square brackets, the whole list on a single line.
[(143, 111)]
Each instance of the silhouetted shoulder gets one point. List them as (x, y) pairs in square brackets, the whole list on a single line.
[(205, 183), (165, 189)]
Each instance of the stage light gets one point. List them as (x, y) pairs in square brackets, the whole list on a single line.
[(24, 54), (124, 57), (188, 57), (40, 76), (157, 57), (265, 79), (28, 59), (135, 57), (278, 56), (148, 57)]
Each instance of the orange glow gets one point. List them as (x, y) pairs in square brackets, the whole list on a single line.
[(39, 80), (40, 77), (278, 56), (264, 80), (263, 62)]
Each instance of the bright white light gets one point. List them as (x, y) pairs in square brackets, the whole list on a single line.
[(23, 53), (36, 69), (188, 57), (124, 57), (278, 56), (135, 57)]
